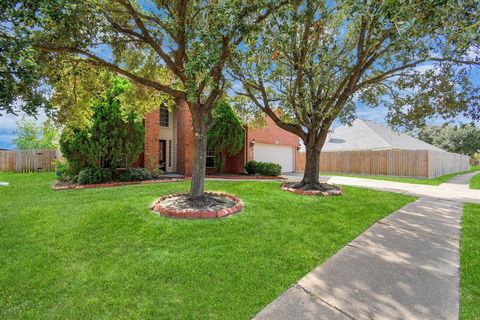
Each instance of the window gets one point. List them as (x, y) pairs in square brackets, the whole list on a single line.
[(164, 117), (210, 158)]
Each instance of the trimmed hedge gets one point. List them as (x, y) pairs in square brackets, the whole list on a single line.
[(95, 175), (140, 174), (263, 168), (137, 174)]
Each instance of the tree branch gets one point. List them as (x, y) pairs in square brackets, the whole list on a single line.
[(152, 42), (147, 82), (295, 129)]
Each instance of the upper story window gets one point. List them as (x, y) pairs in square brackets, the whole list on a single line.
[(164, 114)]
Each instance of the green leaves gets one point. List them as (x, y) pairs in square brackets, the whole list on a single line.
[(463, 139), (111, 136), (31, 136), (314, 60), (226, 135)]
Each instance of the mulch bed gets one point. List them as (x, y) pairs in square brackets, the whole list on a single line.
[(214, 205), (70, 186), (329, 190)]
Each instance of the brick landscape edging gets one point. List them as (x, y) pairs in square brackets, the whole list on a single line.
[(110, 184), (285, 187), (198, 214)]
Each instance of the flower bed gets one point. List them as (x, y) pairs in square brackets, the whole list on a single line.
[(334, 191), (215, 205), (70, 186)]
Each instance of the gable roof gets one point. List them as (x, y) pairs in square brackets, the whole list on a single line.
[(368, 135)]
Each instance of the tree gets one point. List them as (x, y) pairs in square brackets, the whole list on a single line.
[(112, 136), (315, 59), (461, 139), (178, 48), (226, 135), (32, 136)]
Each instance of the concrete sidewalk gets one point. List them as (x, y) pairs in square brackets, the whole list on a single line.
[(406, 266)]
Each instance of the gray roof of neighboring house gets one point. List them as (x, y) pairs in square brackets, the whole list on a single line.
[(368, 135)]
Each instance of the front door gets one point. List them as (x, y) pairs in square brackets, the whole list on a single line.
[(163, 155)]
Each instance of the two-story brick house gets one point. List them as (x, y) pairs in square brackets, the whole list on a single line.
[(169, 143)]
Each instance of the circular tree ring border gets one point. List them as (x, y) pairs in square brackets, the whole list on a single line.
[(285, 187), (197, 214)]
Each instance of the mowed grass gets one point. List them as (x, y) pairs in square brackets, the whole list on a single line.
[(475, 181), (101, 253), (470, 263), (433, 182)]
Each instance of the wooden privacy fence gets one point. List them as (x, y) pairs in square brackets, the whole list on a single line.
[(407, 163), (28, 160)]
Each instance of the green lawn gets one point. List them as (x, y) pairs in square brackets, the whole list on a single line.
[(470, 263), (100, 253), (434, 182), (475, 181)]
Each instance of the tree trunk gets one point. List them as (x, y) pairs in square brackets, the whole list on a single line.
[(313, 148), (312, 166), (197, 186)]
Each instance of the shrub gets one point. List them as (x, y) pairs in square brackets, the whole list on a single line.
[(63, 171), (94, 175), (475, 159), (112, 137), (156, 173), (226, 136), (251, 167), (136, 174), (270, 169), (263, 168)]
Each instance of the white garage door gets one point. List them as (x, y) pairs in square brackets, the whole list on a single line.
[(283, 155)]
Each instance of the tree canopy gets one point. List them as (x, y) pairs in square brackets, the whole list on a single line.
[(112, 138), (32, 136), (457, 139), (314, 60), (176, 49), (226, 136)]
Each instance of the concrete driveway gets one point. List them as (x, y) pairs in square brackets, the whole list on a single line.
[(406, 266)]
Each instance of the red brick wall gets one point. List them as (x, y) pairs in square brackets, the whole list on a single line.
[(184, 139), (271, 134), (152, 135), (235, 163)]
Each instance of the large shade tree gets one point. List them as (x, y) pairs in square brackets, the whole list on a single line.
[(178, 48), (315, 59), (463, 139)]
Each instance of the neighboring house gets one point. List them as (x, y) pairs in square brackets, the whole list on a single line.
[(169, 144), (368, 148), (368, 135)]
